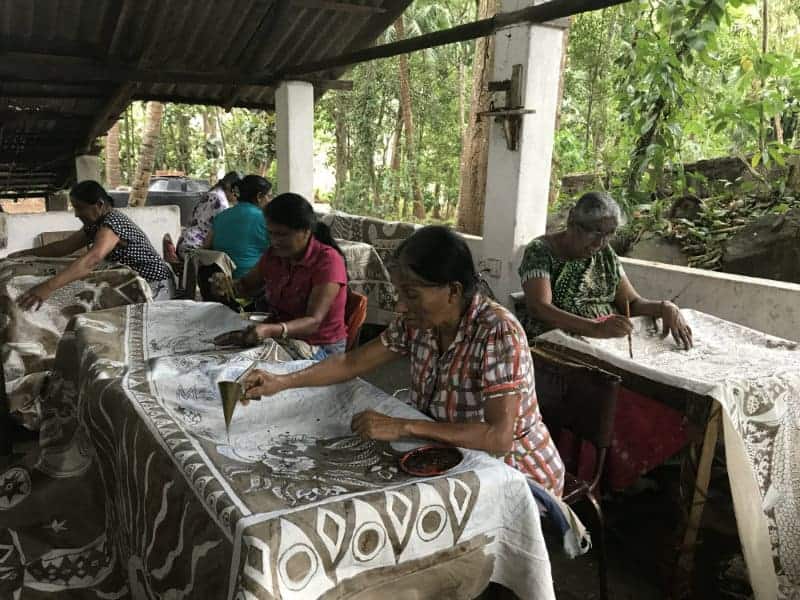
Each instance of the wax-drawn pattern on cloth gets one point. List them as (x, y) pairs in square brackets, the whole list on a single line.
[(301, 469), (755, 378), (15, 486), (29, 338), (150, 518), (312, 550)]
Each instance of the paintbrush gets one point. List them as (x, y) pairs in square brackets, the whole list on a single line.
[(231, 393), (630, 337)]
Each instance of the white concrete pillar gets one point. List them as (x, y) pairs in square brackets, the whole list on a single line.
[(518, 181), (87, 166), (294, 116)]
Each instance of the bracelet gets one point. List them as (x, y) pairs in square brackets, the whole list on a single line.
[(284, 331)]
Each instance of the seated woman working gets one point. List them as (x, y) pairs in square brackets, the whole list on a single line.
[(573, 280), (240, 231), (304, 276), (471, 369), (220, 197), (109, 234)]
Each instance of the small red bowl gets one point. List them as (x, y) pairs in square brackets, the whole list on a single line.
[(428, 461)]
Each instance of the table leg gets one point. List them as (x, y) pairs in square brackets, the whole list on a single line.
[(685, 562), (5, 418)]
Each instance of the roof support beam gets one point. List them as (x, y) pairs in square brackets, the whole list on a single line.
[(364, 9), (541, 13), (52, 69), (104, 119)]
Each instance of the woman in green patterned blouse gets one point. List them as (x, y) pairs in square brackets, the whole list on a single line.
[(573, 279)]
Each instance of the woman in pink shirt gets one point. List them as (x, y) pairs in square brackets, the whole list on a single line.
[(304, 278)]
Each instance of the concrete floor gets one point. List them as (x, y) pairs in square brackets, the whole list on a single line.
[(642, 533)]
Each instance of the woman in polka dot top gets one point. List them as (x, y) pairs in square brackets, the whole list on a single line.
[(109, 235)]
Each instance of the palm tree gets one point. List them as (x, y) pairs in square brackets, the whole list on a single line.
[(475, 145), (147, 157), (113, 169)]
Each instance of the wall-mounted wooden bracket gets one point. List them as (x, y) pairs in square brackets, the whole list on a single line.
[(511, 114)]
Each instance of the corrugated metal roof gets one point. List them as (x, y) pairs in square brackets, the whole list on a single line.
[(68, 68)]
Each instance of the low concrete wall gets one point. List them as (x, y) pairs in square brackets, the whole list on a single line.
[(763, 304), (22, 231)]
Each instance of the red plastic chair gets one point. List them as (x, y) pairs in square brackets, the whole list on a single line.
[(355, 313)]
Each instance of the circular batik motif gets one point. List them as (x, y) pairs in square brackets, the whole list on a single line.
[(15, 486), (297, 566)]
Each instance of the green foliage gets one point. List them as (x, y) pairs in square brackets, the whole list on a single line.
[(368, 117), (685, 79)]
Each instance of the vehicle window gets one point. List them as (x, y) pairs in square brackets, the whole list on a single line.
[(196, 186), (175, 185), (159, 185)]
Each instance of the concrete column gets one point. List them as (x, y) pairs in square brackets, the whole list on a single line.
[(87, 166), (294, 112), (518, 181)]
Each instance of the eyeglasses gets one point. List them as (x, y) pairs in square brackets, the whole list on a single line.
[(596, 234)]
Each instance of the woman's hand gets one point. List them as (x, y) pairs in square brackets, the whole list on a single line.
[(613, 326), (673, 322), (251, 336), (371, 425), (35, 297), (260, 383)]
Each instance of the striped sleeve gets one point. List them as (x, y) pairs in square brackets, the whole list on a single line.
[(503, 371), (537, 262), (395, 337)]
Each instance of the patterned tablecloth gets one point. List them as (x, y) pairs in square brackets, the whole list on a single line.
[(29, 339), (137, 491), (367, 275), (756, 379)]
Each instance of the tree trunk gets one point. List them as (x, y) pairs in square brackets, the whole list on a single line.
[(265, 166), (555, 175), (408, 123), (128, 139), (341, 150), (437, 210), (475, 151), (396, 156), (184, 126), (152, 131), (113, 168)]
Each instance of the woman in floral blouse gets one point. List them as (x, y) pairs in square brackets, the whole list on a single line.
[(573, 281), (471, 369), (218, 198)]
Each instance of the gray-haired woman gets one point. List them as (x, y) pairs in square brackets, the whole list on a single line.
[(573, 279)]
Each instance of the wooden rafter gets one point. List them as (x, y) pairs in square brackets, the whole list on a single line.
[(51, 69), (541, 13), (349, 7)]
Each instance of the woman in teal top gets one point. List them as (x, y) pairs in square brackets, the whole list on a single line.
[(241, 231)]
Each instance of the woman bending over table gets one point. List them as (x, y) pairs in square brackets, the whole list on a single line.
[(304, 279), (109, 234), (471, 370), (573, 280)]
